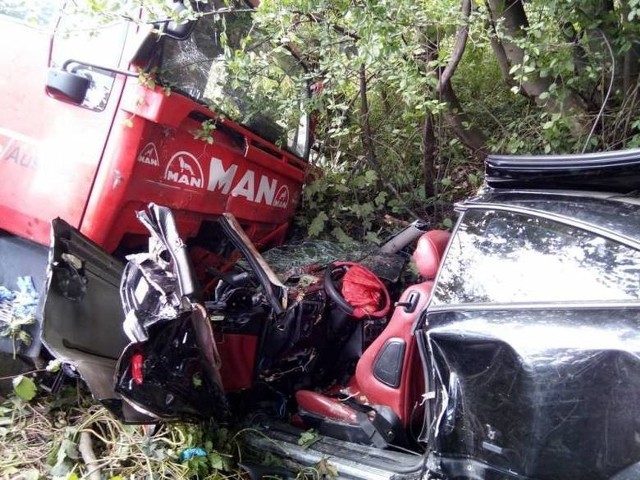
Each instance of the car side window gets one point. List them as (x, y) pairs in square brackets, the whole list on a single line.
[(507, 257)]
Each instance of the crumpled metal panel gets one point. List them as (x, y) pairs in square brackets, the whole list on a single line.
[(544, 394), (171, 367)]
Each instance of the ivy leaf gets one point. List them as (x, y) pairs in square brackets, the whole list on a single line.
[(370, 176), (380, 199), (24, 387), (317, 224), (341, 236), (308, 438), (372, 237), (70, 449), (216, 461)]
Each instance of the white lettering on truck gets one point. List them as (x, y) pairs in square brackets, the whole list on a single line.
[(223, 180), (219, 178)]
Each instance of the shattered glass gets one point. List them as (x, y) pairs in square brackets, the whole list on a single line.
[(202, 67), (312, 255)]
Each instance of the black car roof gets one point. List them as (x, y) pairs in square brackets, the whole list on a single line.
[(601, 191), (615, 171)]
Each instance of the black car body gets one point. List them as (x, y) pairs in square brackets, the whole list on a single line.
[(538, 362), (526, 348), (534, 324)]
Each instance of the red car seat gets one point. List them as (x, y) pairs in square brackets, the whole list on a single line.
[(389, 372)]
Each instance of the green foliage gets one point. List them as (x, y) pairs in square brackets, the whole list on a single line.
[(14, 327), (67, 454), (150, 80), (344, 206), (40, 439), (308, 438), (24, 387), (205, 132)]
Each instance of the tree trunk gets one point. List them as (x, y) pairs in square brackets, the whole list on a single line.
[(367, 135), (512, 16), (430, 157), (470, 135)]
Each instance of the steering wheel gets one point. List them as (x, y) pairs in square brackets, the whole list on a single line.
[(338, 269)]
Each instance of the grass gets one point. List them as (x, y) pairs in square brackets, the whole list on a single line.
[(44, 438)]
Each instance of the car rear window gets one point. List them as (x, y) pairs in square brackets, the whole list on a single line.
[(506, 257)]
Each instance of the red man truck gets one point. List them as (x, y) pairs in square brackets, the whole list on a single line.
[(99, 121)]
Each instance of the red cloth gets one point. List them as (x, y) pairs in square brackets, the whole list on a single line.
[(362, 289)]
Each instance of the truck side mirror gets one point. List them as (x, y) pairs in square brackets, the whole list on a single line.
[(180, 31), (67, 86), (176, 29)]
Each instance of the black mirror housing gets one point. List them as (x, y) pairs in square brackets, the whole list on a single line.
[(67, 86), (176, 29), (180, 31)]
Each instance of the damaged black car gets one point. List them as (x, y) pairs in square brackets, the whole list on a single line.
[(514, 354)]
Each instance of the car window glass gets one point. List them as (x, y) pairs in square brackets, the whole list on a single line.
[(203, 67), (506, 257)]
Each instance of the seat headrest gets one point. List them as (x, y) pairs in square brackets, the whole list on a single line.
[(429, 252)]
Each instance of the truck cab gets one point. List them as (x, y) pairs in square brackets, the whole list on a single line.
[(100, 119)]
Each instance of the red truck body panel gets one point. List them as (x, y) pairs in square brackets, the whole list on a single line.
[(96, 168), (152, 156), (49, 150)]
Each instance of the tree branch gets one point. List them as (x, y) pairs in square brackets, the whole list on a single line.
[(429, 157), (471, 136), (367, 140), (459, 47), (367, 137), (498, 50), (515, 22), (320, 19)]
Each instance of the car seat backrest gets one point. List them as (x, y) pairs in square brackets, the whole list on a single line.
[(429, 252)]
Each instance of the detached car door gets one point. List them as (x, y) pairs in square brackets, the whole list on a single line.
[(82, 312), (534, 337), (137, 335)]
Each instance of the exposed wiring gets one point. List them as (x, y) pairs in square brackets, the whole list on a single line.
[(606, 97)]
